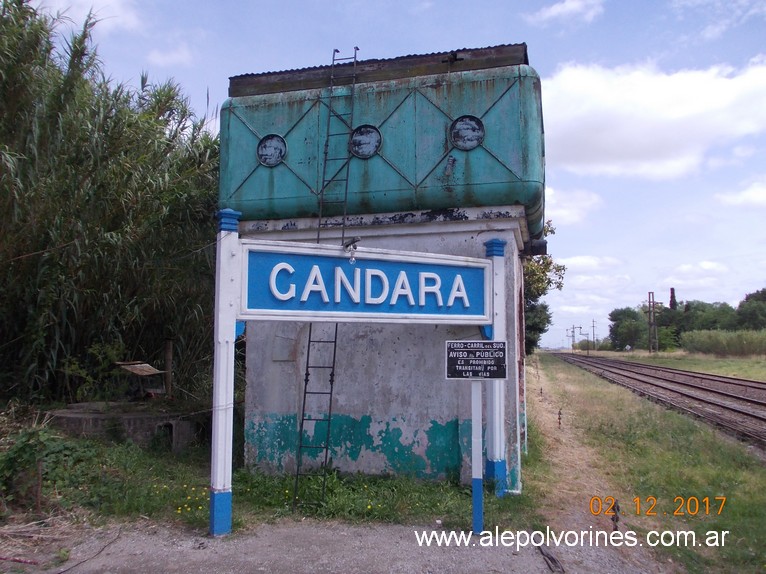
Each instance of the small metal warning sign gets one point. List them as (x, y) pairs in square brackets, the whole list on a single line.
[(476, 360)]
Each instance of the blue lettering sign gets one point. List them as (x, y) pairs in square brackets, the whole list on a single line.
[(317, 284)]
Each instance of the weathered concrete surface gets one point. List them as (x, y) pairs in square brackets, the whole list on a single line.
[(102, 420), (393, 410)]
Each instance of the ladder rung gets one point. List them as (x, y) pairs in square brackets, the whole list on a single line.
[(318, 392), (324, 420), (315, 446)]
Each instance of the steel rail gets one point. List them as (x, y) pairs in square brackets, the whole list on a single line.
[(615, 374), (735, 381), (621, 369)]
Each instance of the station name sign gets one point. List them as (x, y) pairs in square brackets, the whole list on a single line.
[(477, 360), (308, 282)]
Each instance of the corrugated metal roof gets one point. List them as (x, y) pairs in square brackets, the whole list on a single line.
[(380, 69), (139, 368)]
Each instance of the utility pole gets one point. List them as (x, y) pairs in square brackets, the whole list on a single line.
[(593, 327), (654, 344), (572, 334), (587, 342)]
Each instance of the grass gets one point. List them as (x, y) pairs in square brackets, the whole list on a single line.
[(42, 471), (400, 499), (745, 367), (644, 449), (650, 451)]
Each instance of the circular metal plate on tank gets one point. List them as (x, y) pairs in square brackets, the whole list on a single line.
[(271, 150), (466, 133), (365, 141)]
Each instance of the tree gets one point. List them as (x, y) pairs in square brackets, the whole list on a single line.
[(756, 296), (673, 302), (701, 316), (108, 195), (537, 319), (751, 314), (628, 328), (541, 274)]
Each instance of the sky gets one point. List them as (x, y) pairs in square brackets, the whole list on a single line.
[(654, 113)]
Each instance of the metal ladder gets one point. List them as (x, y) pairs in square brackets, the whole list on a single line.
[(337, 154), (322, 346)]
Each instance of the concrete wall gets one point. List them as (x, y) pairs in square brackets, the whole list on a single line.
[(393, 409), (139, 427)]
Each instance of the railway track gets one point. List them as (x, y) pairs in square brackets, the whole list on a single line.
[(735, 405)]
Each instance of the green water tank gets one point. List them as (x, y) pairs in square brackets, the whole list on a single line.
[(431, 132)]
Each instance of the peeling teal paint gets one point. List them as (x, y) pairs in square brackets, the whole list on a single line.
[(271, 438), (433, 453), (523, 427), (400, 456), (349, 436), (514, 471), (514, 484), (444, 448)]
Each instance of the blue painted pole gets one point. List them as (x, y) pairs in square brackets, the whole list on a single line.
[(227, 295)]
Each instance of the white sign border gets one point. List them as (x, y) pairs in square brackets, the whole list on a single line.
[(362, 253)]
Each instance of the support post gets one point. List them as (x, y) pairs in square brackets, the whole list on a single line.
[(477, 484), (227, 295), (497, 469), (168, 368)]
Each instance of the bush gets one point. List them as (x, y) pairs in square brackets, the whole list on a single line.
[(725, 343), (38, 457)]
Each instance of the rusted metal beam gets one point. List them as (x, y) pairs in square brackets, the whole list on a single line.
[(379, 70)]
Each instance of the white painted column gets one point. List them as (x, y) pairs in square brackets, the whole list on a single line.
[(477, 483), (227, 301), (496, 468)]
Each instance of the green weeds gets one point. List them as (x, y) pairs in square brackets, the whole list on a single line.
[(653, 452), (43, 471)]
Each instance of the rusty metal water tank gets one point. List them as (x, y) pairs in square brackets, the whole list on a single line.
[(430, 132)]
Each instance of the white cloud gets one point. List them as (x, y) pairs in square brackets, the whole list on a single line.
[(640, 121), (702, 266), (111, 14), (720, 16), (584, 10), (692, 283), (698, 275), (569, 207), (754, 194), (601, 282), (420, 7), (736, 156), (575, 309), (180, 55), (588, 262)]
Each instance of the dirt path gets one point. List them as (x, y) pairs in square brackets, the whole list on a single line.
[(290, 545), (576, 475), (287, 546)]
